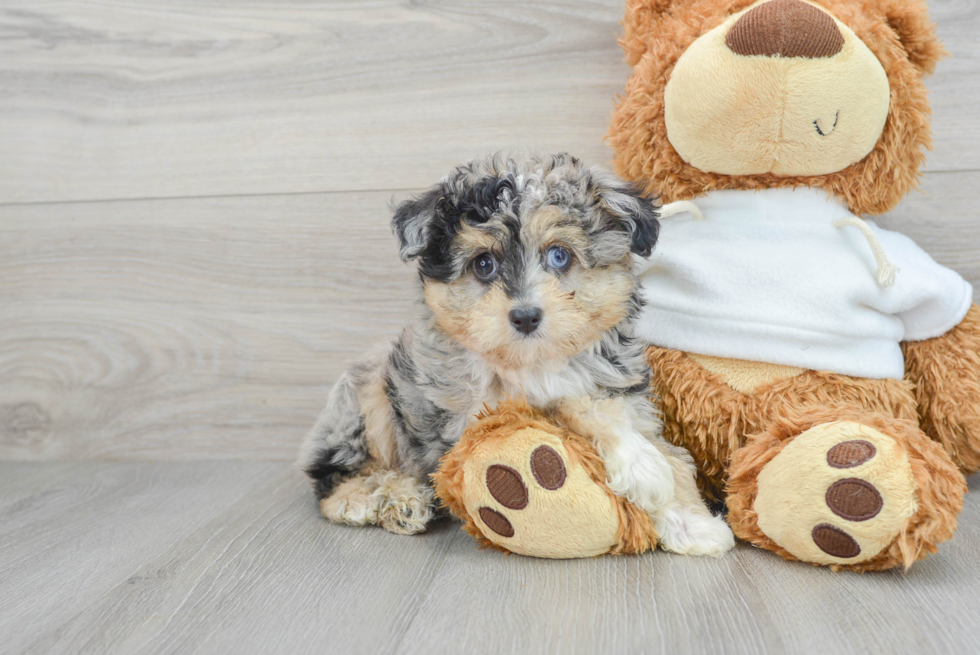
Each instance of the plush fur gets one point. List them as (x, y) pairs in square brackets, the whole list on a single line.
[(945, 373), (657, 32), (736, 427), (939, 487), (636, 532), (711, 419), (526, 289)]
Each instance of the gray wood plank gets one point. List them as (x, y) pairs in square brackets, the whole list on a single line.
[(655, 603), (266, 574), (269, 575), (747, 602), (72, 533), (212, 328), (187, 329), (179, 98), (954, 89), (929, 609), (135, 99)]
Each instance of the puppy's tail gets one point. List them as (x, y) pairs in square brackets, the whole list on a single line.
[(337, 445)]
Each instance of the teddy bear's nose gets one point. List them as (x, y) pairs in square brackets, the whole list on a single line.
[(785, 28)]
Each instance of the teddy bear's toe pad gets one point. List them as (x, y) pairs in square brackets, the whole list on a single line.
[(839, 493), (532, 498)]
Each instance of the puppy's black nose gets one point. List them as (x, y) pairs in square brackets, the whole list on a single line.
[(526, 319)]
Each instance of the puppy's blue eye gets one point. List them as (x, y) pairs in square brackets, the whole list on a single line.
[(558, 258), (485, 267)]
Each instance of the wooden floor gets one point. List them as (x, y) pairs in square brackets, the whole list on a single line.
[(194, 243), (232, 557)]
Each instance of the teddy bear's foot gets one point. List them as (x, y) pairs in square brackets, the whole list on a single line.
[(397, 502), (532, 499), (523, 485), (865, 494), (839, 493)]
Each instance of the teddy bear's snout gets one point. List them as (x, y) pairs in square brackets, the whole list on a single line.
[(785, 28)]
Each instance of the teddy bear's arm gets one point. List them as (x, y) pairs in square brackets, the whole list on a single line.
[(946, 374)]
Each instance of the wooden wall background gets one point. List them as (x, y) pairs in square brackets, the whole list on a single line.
[(193, 194)]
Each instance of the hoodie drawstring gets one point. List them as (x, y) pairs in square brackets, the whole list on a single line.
[(681, 207), (886, 270)]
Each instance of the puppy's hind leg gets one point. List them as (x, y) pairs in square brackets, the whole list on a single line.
[(398, 502), (405, 503), (352, 502), (337, 445)]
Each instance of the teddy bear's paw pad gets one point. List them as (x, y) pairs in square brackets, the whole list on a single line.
[(848, 454), (496, 522), (506, 486), (839, 493), (532, 498), (548, 468)]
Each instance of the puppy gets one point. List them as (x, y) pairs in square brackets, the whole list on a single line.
[(526, 289)]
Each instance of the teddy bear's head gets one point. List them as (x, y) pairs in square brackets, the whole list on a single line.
[(736, 94)]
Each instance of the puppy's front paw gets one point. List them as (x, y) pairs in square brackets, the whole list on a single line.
[(686, 532), (639, 472)]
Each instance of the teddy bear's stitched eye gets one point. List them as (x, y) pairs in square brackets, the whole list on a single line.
[(558, 258), (485, 267)]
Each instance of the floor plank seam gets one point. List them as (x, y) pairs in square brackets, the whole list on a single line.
[(146, 561), (216, 196), (423, 595)]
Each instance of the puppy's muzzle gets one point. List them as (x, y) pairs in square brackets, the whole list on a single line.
[(526, 319)]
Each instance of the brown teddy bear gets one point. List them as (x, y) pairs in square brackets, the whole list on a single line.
[(824, 373), (521, 484)]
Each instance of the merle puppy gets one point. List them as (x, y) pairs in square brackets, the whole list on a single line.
[(526, 289)]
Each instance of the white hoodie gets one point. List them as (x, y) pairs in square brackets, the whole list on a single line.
[(767, 277)]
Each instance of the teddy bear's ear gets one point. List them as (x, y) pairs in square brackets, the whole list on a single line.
[(638, 26), (909, 19)]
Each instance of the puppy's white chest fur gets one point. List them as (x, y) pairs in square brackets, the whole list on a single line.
[(546, 383)]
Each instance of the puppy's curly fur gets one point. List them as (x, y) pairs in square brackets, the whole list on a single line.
[(527, 290)]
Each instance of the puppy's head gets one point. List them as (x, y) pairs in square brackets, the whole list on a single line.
[(526, 260)]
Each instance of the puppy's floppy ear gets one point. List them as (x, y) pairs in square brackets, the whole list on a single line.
[(634, 211), (412, 220)]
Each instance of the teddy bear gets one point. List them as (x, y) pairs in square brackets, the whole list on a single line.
[(522, 484), (823, 372)]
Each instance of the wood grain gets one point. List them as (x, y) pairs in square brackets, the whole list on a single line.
[(145, 316), (267, 574), (201, 328), (134, 99), (72, 532), (213, 327), (746, 602)]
